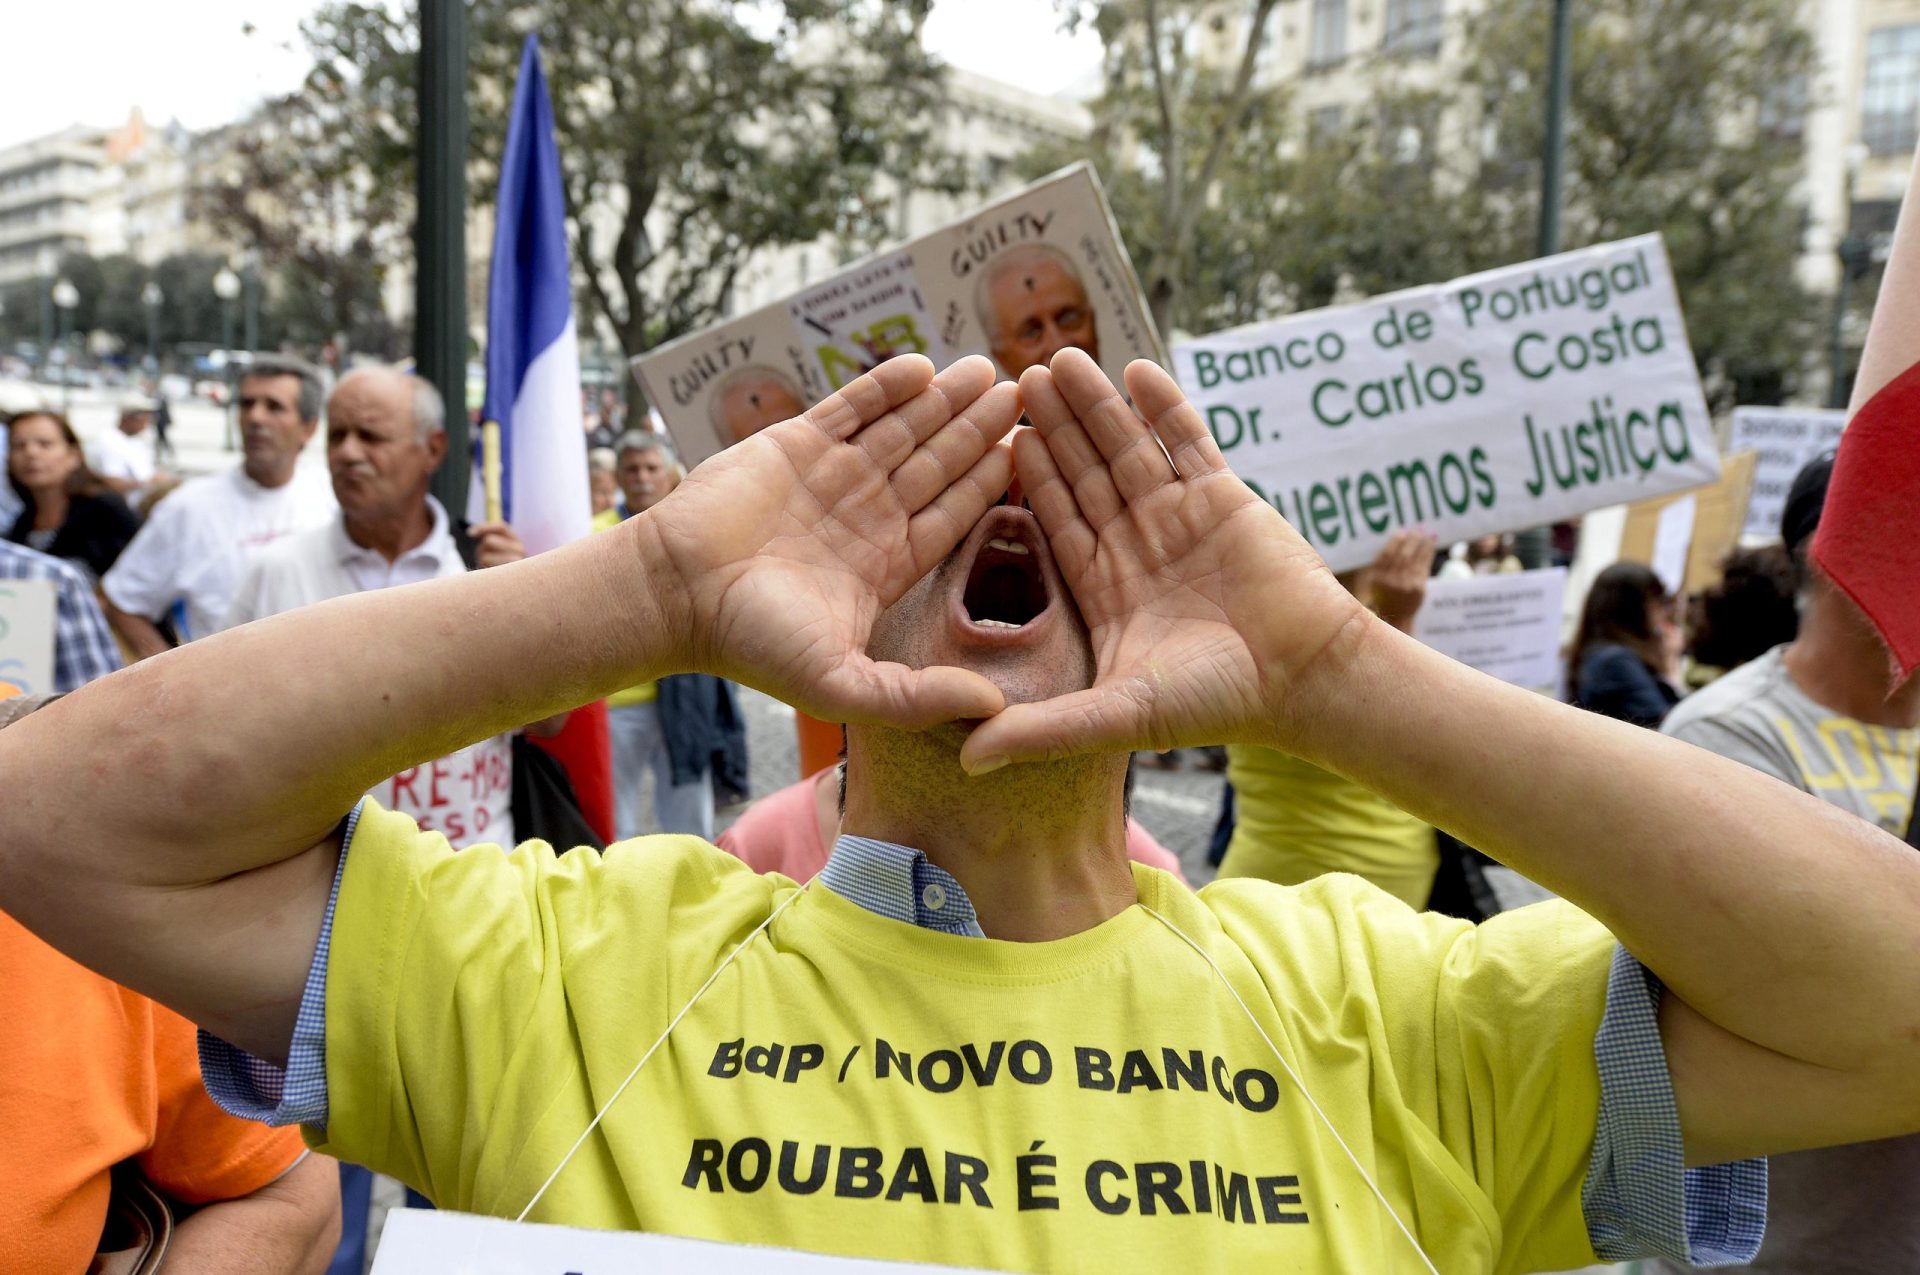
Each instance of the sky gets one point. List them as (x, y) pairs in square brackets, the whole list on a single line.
[(199, 64)]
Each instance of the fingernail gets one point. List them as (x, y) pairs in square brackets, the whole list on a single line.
[(986, 766)]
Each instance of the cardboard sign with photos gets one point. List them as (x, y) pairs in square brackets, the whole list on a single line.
[(1017, 280)]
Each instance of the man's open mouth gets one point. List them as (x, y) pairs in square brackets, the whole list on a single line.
[(1008, 585)]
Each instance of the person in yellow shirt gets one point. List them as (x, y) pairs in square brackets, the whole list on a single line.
[(984, 1039), (603, 489), (1295, 821)]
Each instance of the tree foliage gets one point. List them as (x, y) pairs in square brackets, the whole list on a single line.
[(691, 136), (1685, 118), (1176, 122), (1682, 121)]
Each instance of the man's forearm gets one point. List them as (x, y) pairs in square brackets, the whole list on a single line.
[(1776, 916), (175, 761), (141, 635), (288, 1227)]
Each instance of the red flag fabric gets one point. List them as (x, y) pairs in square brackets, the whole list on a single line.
[(584, 749), (1870, 524), (1870, 527)]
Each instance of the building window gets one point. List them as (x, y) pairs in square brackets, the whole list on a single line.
[(1783, 110), (1890, 98), (1413, 27), (1323, 124), (1329, 41)]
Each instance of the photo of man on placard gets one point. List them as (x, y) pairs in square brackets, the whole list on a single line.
[(1032, 304), (751, 398)]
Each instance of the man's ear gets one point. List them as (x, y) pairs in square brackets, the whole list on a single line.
[(436, 446)]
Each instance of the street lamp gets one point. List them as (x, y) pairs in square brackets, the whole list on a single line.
[(152, 298), (65, 298), (250, 281), (226, 286)]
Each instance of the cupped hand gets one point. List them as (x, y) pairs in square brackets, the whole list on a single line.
[(776, 556), (1204, 607)]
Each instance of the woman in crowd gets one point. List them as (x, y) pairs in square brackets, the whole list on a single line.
[(67, 511), (1625, 661)]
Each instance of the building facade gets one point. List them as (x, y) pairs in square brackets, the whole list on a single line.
[(49, 191), (1858, 123), (129, 189)]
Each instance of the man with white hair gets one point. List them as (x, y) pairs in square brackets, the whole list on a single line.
[(386, 435)]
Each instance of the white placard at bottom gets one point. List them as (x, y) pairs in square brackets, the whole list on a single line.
[(430, 1242)]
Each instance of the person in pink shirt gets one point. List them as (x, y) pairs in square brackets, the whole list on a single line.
[(791, 831)]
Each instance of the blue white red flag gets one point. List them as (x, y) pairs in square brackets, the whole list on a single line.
[(533, 385), (533, 356)]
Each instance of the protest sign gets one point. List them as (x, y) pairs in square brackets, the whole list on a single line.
[(1507, 626), (26, 637), (1718, 513), (1021, 278), (1672, 540), (1506, 399), (1783, 440), (429, 1242)]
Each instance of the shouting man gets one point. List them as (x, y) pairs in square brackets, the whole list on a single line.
[(980, 1036)]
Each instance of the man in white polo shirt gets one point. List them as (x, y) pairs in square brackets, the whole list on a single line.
[(386, 435), (196, 545)]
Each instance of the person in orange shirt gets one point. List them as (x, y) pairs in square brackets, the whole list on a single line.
[(92, 1074)]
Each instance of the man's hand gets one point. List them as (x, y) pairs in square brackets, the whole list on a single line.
[(1203, 605), (1398, 578), (777, 556), (496, 544)]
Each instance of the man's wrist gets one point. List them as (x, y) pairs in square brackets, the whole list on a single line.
[(1310, 702), (657, 615)]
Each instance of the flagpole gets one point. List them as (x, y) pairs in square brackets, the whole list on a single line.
[(490, 469), (440, 237)]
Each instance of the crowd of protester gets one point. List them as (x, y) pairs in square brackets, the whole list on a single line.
[(1770, 666)]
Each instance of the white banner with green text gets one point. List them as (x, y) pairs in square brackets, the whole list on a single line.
[(1508, 399)]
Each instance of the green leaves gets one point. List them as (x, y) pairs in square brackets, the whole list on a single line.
[(1682, 121), (691, 136)]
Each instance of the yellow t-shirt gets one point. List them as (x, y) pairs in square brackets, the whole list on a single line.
[(1295, 822), (642, 693), (860, 1086)]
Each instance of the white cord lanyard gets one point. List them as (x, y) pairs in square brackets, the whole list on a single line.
[(1178, 932), (1287, 1067), (651, 1049)]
